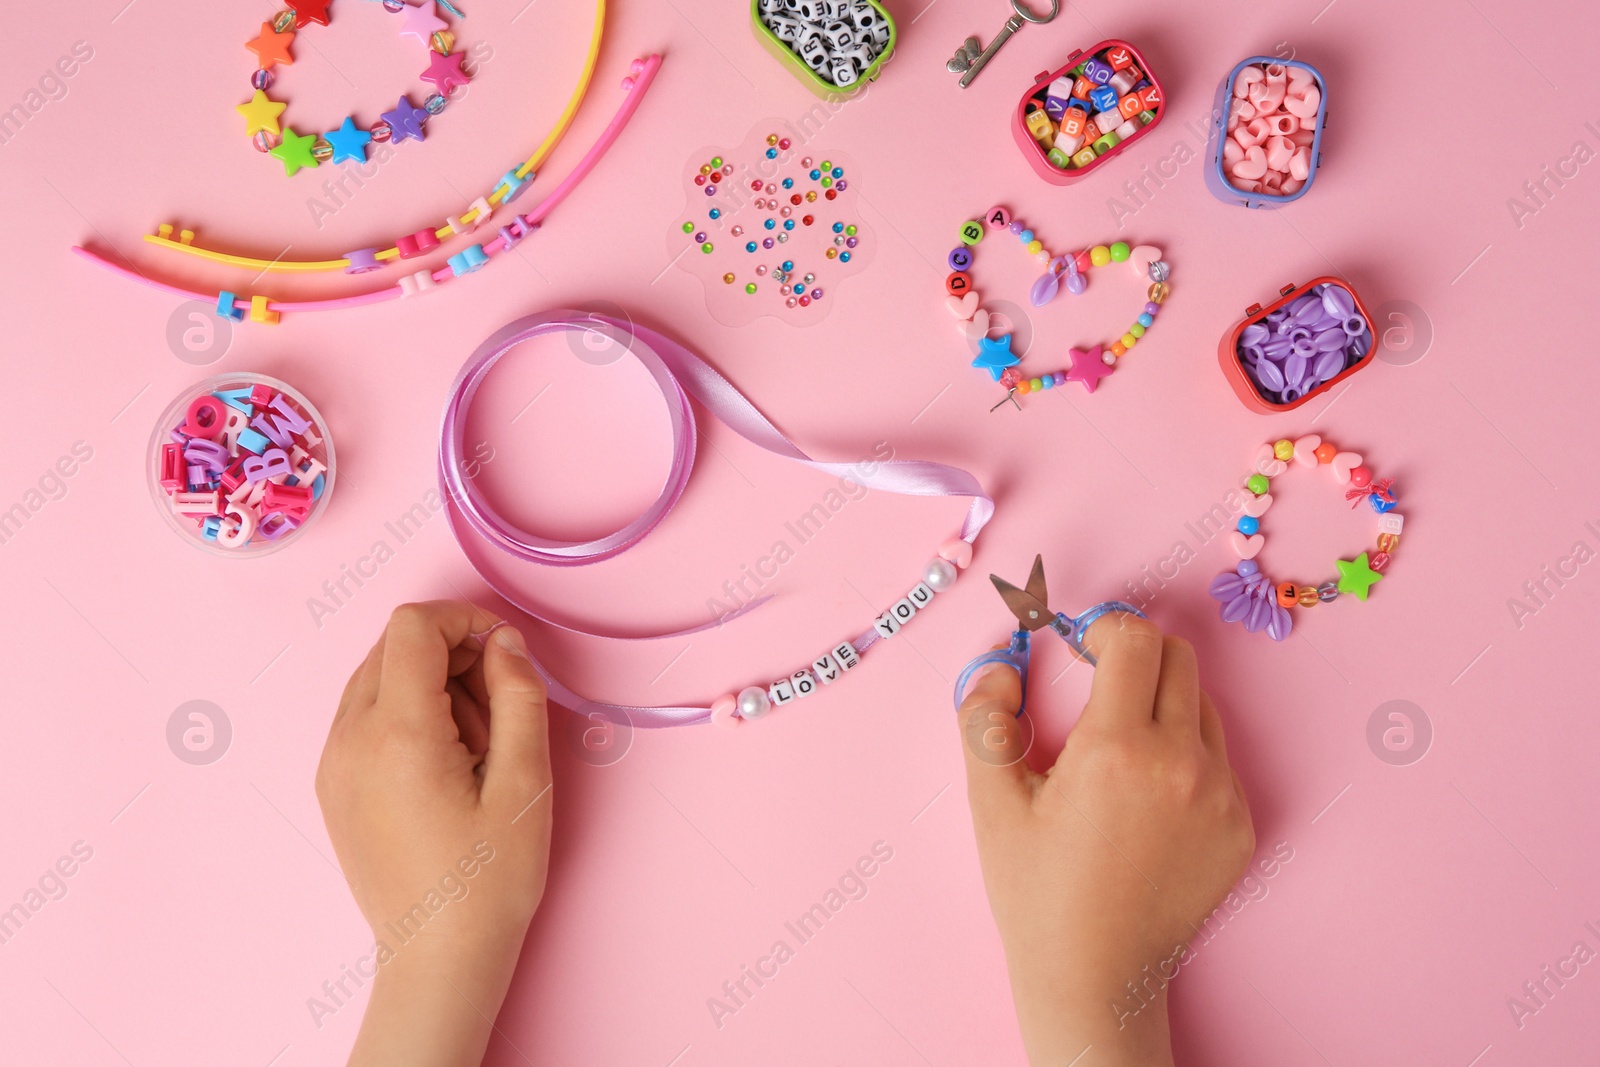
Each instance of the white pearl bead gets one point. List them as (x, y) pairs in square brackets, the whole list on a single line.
[(940, 574), (753, 702), (1109, 358)]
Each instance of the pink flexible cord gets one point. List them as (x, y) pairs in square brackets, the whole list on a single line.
[(630, 104)]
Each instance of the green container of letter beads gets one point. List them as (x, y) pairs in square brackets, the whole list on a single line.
[(793, 31)]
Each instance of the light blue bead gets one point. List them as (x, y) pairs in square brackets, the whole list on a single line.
[(716, 212), (1047, 381), (469, 259), (844, 257), (1248, 525), (788, 264), (1147, 320), (788, 183), (772, 153), (769, 224), (788, 224), (838, 227), (750, 246), (1025, 236)]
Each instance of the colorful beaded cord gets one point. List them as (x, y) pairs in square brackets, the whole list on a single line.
[(1069, 271), (1248, 596), (405, 122)]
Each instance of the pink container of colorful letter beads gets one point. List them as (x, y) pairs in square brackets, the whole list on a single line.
[(1045, 123), (240, 464)]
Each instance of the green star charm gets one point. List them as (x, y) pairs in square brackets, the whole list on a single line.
[(1356, 576), (295, 151)]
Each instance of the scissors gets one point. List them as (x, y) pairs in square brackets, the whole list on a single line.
[(1030, 605)]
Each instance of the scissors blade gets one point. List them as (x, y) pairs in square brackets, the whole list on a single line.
[(1029, 605)]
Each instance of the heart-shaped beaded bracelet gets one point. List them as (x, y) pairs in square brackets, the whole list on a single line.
[(1069, 271), (1251, 598), (349, 142)]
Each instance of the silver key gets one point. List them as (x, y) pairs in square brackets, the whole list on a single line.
[(971, 57)]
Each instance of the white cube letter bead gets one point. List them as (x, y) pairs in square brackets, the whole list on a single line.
[(921, 595), (845, 655), (804, 684), (1106, 121), (1126, 130), (780, 692), (826, 668), (1061, 88), (1390, 522), (903, 609), (1121, 81), (843, 72), (886, 624)]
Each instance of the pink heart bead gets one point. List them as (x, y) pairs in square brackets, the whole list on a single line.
[(1343, 463), (957, 551), (962, 307), (977, 327), (1247, 547), (1268, 463), (1246, 78), (1300, 164), (1139, 259), (722, 712), (1232, 153), (1305, 449), (1256, 506), (1303, 106), (1253, 166)]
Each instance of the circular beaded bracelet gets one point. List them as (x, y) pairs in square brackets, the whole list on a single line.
[(1248, 596), (404, 122), (1071, 271)]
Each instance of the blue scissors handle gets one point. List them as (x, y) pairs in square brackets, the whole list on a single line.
[(1017, 654)]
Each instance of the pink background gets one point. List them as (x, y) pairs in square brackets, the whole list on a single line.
[(1419, 897)]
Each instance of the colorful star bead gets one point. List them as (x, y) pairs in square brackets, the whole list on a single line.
[(1357, 576), (309, 11), (295, 151), (405, 121), (261, 113), (995, 355), (421, 22), (272, 47), (1088, 367), (348, 142), (445, 72)]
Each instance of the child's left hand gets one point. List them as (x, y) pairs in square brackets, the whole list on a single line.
[(438, 765)]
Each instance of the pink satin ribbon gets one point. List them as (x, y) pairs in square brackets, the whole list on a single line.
[(680, 374)]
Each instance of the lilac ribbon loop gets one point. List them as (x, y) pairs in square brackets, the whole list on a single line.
[(680, 375)]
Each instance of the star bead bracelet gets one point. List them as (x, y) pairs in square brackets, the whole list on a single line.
[(1069, 271), (405, 122), (1248, 596)]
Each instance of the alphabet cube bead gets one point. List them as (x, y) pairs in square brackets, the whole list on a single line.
[(1058, 158), (1083, 157), (1067, 143), (1038, 123), (1119, 58), (1130, 105), (845, 655), (1104, 98), (780, 692), (1151, 97), (804, 684), (1098, 72), (826, 668), (1073, 122), (1391, 522), (886, 624)]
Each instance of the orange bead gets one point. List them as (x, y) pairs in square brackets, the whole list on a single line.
[(1288, 596), (1325, 453), (1308, 596), (1388, 542), (1117, 350), (1022, 387)]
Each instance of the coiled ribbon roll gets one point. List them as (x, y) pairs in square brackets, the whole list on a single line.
[(680, 375)]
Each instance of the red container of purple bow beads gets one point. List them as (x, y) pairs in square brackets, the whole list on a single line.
[(240, 464), (1301, 345)]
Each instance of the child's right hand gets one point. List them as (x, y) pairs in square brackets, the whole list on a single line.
[(1108, 862)]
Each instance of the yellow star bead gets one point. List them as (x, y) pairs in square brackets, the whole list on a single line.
[(261, 113)]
